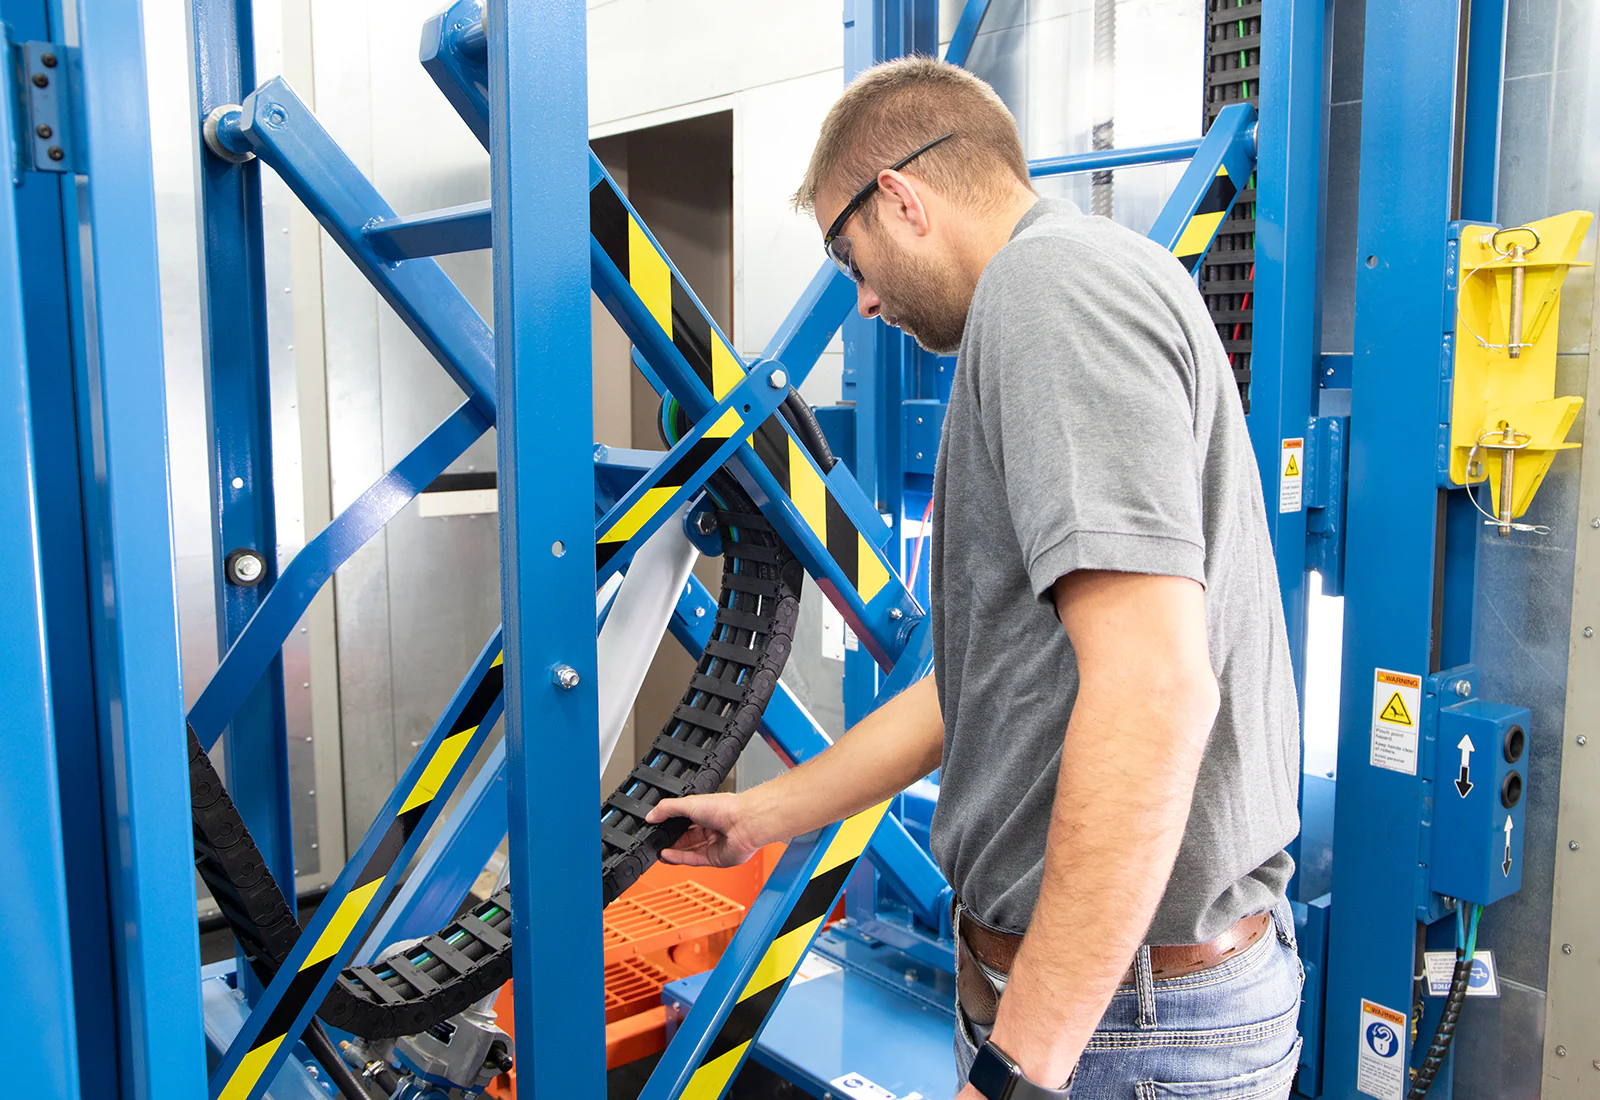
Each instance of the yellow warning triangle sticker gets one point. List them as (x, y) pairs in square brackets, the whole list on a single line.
[(1293, 469), (1395, 711)]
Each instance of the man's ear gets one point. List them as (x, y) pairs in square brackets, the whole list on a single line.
[(904, 201)]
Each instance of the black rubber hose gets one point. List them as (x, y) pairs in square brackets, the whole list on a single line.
[(339, 1072), (804, 421), (1445, 1033)]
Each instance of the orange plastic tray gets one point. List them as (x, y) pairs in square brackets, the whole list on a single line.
[(658, 919)]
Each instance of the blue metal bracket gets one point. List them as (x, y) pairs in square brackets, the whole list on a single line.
[(49, 73), (465, 228), (1327, 469), (922, 426)]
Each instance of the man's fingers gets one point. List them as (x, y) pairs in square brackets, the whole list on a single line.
[(668, 808), (686, 857)]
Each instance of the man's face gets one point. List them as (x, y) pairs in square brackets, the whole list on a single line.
[(908, 275)]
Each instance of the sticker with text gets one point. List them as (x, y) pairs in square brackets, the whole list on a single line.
[(1396, 710), (1381, 1052), (1291, 474)]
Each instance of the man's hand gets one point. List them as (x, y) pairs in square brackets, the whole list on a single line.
[(721, 834)]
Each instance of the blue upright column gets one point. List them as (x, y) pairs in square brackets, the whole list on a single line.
[(1407, 201), (539, 167), (139, 692)]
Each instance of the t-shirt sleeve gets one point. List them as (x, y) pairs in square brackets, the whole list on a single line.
[(1086, 390)]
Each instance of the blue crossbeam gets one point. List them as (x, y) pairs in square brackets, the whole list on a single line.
[(1106, 159), (276, 126), (304, 576), (464, 228)]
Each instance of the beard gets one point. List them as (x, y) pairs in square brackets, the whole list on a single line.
[(924, 301)]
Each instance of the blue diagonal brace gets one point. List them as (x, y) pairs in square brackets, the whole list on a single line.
[(325, 947), (304, 577)]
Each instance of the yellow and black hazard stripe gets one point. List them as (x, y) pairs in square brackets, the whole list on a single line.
[(345, 918), (625, 242), (1204, 222), (613, 538), (666, 297), (760, 994)]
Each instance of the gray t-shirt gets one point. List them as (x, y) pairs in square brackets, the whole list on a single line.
[(1094, 424)]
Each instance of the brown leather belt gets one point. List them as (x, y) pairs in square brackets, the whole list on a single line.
[(997, 950)]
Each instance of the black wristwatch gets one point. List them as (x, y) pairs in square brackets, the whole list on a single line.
[(996, 1076)]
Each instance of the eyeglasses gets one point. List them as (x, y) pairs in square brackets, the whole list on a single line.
[(837, 246)]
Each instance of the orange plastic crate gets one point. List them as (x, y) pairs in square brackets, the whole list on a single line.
[(632, 985), (656, 920)]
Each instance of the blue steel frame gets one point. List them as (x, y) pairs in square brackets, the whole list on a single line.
[(239, 429)]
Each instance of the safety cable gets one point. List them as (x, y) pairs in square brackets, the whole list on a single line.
[(413, 988), (1444, 1034)]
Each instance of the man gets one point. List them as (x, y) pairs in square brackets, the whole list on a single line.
[(1114, 710)]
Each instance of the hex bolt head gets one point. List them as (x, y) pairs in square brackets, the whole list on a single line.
[(1582, 740), (1566, 949), (48, 60), (44, 132), (40, 80), (1463, 688), (55, 152), (245, 568), (564, 677), (699, 612), (778, 380), (1595, 522), (705, 523), (1572, 845), (896, 614)]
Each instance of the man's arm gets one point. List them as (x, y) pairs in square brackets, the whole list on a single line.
[(879, 757), (1147, 699)]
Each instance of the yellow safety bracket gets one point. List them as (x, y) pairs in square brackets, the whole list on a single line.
[(1504, 409)]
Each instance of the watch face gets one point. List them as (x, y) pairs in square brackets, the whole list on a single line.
[(991, 1074)]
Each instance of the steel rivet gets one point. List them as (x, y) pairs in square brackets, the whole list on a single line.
[(1582, 740), (564, 677), (45, 133), (896, 614), (1572, 845), (55, 152), (1595, 522), (48, 60), (313, 845), (1588, 632), (1463, 688), (777, 380), (40, 80), (1566, 949), (919, 454), (1561, 1052)]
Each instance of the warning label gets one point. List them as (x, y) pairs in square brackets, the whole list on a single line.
[(1396, 703), (1291, 470), (1381, 1053)]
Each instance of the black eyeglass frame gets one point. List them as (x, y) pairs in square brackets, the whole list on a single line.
[(835, 231)]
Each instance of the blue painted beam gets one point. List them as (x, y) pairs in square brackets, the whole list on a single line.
[(966, 31), (539, 182), (463, 228), (1105, 159), (39, 998)]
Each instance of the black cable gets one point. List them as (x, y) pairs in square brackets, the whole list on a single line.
[(343, 1077), (1445, 1033)]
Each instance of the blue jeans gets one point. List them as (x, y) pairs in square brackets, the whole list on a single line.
[(1227, 1033)]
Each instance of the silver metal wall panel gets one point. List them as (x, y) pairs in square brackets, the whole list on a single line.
[(1525, 610)]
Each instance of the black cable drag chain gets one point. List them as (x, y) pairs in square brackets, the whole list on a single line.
[(416, 987)]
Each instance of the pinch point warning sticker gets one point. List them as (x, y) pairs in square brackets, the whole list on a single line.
[(1291, 471), (1396, 703), (1381, 1052)]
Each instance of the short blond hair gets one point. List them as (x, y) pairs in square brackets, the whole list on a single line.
[(893, 108)]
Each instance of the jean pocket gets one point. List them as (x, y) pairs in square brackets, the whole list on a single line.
[(1270, 1083)]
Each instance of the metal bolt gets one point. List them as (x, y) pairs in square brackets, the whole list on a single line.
[(1329, 372), (1588, 632), (919, 454), (245, 568), (1566, 949), (564, 677), (706, 523), (48, 60), (1561, 1052), (1582, 740), (1572, 845), (1595, 522), (305, 683), (55, 152), (777, 380), (44, 132), (896, 614), (1463, 688), (40, 80), (699, 612), (911, 975)]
